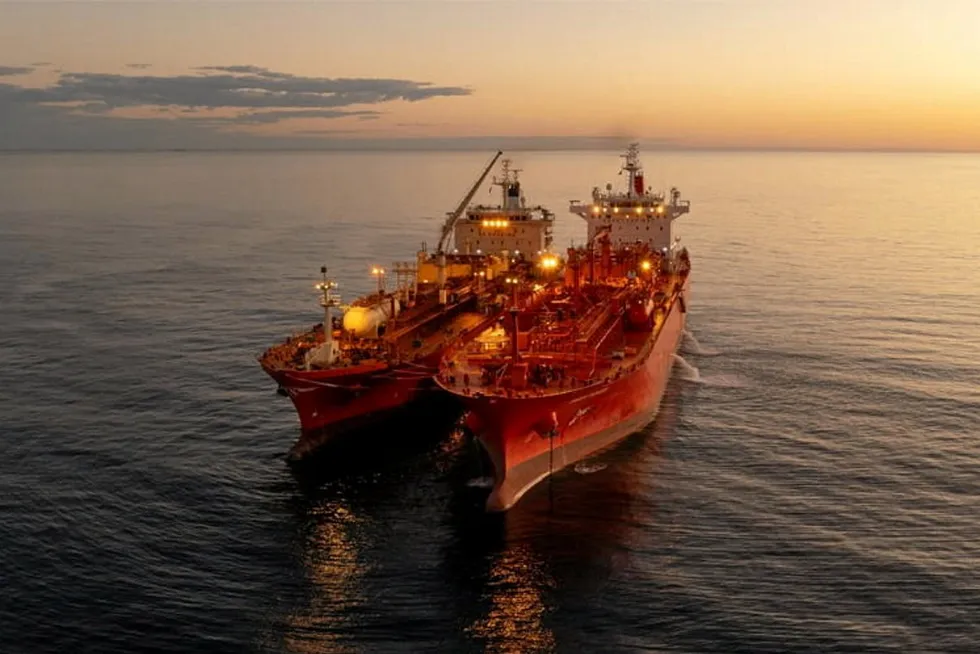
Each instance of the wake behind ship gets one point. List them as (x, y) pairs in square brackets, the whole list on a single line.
[(553, 381), (354, 370)]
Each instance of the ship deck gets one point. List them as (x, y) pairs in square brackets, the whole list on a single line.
[(551, 372), (423, 331), (289, 354), (410, 321), (598, 344), (442, 335)]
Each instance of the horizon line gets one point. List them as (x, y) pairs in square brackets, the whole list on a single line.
[(469, 147)]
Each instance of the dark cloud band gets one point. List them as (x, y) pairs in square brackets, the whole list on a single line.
[(9, 71), (229, 87), (211, 107), (275, 116)]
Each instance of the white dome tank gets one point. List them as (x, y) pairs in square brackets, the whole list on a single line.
[(363, 322)]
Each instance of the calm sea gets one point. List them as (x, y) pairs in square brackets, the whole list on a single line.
[(811, 484)]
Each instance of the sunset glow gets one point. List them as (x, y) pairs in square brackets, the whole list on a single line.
[(726, 73)]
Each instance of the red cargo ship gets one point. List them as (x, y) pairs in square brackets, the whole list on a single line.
[(382, 353), (586, 364)]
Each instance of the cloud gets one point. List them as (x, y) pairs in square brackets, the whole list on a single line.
[(420, 124), (255, 70), (326, 132), (204, 106), (236, 87), (269, 117), (97, 108), (10, 71), (41, 64)]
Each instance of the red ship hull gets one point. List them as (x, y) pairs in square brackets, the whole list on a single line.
[(331, 398), (337, 401), (530, 438)]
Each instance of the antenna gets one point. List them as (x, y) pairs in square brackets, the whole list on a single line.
[(632, 166), (508, 182), (329, 301)]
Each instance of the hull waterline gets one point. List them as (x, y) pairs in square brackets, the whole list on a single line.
[(339, 400), (528, 439), (382, 353), (589, 365), (324, 402), (335, 404)]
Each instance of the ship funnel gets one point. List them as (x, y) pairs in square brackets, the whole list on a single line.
[(513, 196), (638, 184)]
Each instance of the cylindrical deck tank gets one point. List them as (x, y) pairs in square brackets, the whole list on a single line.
[(639, 314), (363, 322)]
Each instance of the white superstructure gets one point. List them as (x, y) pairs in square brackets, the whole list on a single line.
[(511, 227), (636, 214)]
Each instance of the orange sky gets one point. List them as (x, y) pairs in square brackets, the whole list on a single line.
[(729, 73)]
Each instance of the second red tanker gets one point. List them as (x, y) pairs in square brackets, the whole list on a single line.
[(574, 367)]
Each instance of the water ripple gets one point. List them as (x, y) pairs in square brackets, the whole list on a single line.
[(818, 491)]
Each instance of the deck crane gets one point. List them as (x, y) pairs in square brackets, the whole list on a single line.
[(451, 219)]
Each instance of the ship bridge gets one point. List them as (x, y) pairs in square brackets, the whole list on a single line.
[(511, 226), (636, 214)]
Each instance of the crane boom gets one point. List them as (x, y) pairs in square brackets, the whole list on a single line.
[(447, 227)]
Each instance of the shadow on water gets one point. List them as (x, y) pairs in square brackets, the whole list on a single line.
[(384, 447), (483, 582), (557, 547), (349, 493)]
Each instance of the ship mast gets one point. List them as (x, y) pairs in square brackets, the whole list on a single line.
[(633, 168), (329, 300), (509, 186)]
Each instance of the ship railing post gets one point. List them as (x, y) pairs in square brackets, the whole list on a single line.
[(551, 470)]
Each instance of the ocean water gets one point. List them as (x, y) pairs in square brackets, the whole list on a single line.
[(812, 482)]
